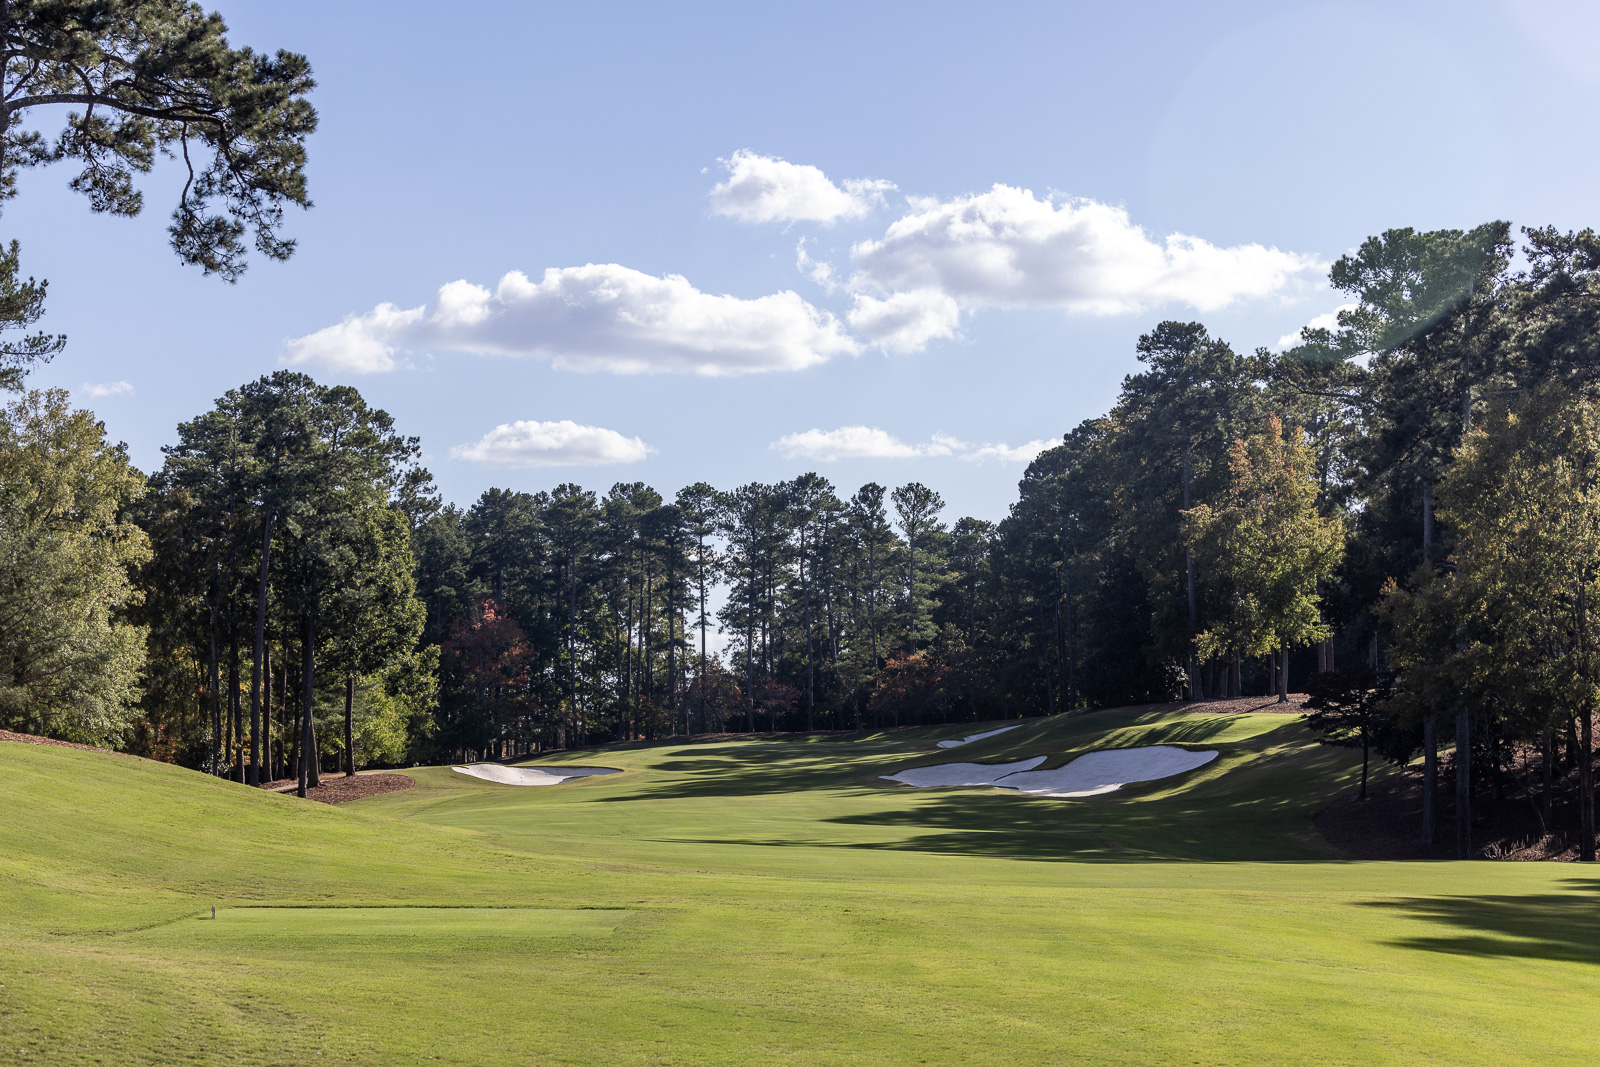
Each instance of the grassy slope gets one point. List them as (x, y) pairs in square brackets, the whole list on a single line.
[(772, 902)]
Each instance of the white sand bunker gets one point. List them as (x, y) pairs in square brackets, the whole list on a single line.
[(963, 773), (976, 737), (1089, 775), (494, 772)]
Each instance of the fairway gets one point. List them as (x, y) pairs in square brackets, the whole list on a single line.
[(773, 900)]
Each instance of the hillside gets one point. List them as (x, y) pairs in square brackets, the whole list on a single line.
[(769, 901)]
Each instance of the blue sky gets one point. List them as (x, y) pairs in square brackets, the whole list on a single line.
[(993, 202)]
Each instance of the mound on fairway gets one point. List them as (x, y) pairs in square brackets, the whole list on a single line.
[(975, 737), (1094, 773), (767, 902), (494, 772), (959, 774), (1089, 775)]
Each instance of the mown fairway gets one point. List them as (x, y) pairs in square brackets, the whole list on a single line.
[(772, 902)]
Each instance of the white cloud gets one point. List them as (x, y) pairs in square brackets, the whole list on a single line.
[(99, 389), (1022, 454), (869, 442), (860, 442), (1330, 321), (818, 271), (599, 317), (768, 189), (552, 444), (359, 344), (1007, 248), (906, 322)]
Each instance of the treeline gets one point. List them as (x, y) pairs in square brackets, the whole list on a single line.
[(569, 618), (1400, 514)]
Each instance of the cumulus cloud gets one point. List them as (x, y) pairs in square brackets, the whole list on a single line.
[(906, 322), (1007, 248), (860, 442), (1330, 321), (769, 189), (100, 389), (361, 344), (552, 444), (1021, 454), (819, 271), (869, 442), (598, 317)]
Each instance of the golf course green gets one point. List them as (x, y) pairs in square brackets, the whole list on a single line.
[(756, 901)]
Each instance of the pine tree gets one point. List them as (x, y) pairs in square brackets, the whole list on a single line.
[(1266, 540)]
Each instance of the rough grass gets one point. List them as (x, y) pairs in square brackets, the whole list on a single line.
[(772, 901)]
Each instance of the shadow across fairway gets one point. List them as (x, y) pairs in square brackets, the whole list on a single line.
[(1550, 926), (1187, 732), (1241, 808), (754, 771), (1114, 829)]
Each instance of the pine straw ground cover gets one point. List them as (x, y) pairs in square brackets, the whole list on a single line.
[(335, 788), (339, 789), (773, 901), (35, 739)]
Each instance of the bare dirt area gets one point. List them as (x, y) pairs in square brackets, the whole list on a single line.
[(35, 739), (1387, 825), (340, 790), (1246, 705), (1230, 706)]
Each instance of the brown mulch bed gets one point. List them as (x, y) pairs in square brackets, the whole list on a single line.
[(1236, 706), (337, 789), (1247, 705), (1386, 825), (35, 739)]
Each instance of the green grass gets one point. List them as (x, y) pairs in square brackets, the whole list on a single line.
[(772, 901)]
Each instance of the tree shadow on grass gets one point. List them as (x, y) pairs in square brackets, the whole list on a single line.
[(1550, 926), (1116, 828), (709, 779), (1095, 830), (765, 769), (1187, 732)]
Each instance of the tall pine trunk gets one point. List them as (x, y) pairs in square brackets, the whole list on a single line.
[(290, 748), (672, 645), (270, 755), (1430, 778), (1071, 694), (1196, 690), (314, 772), (750, 658), (1366, 747), (700, 679), (1547, 758), (291, 717), (805, 593), (647, 606), (257, 666), (1463, 762), (572, 647), (1049, 681), (235, 712), (1586, 827), (349, 726), (911, 589), (216, 700), (308, 660)]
